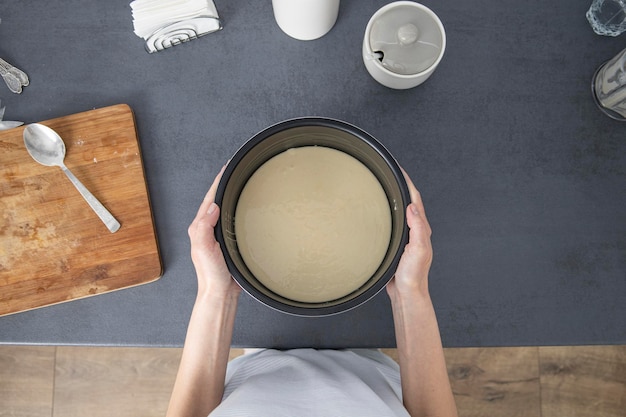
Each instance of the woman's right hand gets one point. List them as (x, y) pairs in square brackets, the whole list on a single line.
[(411, 276)]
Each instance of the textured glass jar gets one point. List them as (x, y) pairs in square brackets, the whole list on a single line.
[(609, 87)]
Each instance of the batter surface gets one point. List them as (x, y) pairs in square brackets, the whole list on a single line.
[(313, 224)]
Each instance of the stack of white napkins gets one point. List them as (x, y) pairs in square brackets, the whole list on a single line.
[(165, 23)]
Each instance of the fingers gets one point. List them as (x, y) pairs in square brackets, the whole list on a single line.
[(209, 198)]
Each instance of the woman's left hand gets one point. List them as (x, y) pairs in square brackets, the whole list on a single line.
[(206, 254)]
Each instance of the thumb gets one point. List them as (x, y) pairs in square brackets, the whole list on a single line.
[(417, 222), (202, 226), (213, 214), (412, 212)]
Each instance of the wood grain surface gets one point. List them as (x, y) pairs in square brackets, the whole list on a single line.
[(114, 382), (495, 381), (26, 380), (53, 247), (587, 381), (574, 381)]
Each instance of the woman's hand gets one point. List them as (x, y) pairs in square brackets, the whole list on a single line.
[(412, 274), (199, 385), (206, 254), (425, 385)]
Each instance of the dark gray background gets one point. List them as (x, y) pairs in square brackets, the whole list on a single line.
[(522, 176)]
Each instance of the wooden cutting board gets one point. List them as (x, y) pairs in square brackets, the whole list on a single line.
[(53, 247)]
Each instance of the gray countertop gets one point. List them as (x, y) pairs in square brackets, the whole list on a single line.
[(522, 176)]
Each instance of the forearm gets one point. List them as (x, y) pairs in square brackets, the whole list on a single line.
[(425, 384), (199, 383)]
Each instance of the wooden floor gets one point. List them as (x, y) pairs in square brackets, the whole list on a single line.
[(526, 381)]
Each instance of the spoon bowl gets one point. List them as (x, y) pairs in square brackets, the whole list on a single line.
[(46, 147)]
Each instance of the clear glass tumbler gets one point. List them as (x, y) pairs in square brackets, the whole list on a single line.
[(609, 87), (607, 17)]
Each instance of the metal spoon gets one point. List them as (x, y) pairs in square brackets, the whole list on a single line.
[(13, 77), (47, 148)]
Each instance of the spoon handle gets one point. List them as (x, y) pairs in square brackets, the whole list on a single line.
[(104, 214)]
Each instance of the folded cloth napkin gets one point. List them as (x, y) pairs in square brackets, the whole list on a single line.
[(7, 124), (165, 23)]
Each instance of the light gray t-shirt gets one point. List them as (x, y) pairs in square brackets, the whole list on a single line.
[(309, 382)]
